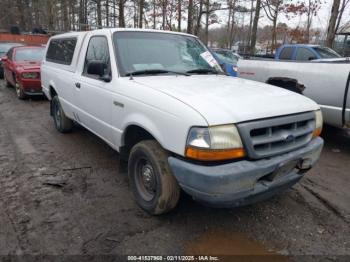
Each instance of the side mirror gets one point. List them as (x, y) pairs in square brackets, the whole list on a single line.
[(98, 68)]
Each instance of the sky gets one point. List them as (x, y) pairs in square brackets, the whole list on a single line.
[(320, 21)]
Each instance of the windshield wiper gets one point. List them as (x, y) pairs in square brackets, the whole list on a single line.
[(154, 72), (202, 71)]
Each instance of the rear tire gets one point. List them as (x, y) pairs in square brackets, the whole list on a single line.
[(155, 188), (62, 123), (19, 92)]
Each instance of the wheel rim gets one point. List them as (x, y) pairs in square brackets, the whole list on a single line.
[(57, 116), (145, 179)]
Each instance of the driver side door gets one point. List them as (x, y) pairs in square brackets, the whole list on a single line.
[(93, 96)]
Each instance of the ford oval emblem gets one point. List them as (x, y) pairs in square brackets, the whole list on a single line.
[(289, 138)]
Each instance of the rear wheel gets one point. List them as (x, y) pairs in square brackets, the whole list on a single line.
[(62, 123), (19, 91), (155, 188)]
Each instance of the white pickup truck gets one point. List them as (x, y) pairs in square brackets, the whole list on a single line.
[(160, 99), (326, 81)]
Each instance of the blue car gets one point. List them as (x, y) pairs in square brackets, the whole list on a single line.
[(227, 59)]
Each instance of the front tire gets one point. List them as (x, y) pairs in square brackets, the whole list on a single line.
[(7, 83), (62, 123), (154, 186)]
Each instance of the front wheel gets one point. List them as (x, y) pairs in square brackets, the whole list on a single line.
[(155, 188), (62, 122), (7, 83)]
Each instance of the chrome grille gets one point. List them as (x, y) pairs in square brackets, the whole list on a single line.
[(269, 137)]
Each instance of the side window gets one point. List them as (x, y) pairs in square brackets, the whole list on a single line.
[(98, 51), (286, 53), (61, 51), (304, 54)]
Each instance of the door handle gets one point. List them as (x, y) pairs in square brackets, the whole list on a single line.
[(77, 85)]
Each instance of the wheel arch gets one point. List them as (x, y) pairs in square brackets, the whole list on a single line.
[(133, 134)]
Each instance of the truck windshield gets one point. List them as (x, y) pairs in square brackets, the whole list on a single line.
[(326, 52), (150, 53)]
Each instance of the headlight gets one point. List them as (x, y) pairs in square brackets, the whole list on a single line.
[(319, 123), (30, 75), (214, 143), (235, 68)]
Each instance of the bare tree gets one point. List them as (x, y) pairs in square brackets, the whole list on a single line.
[(121, 13), (190, 17), (344, 4), (141, 8), (272, 9), (332, 23), (179, 15), (255, 26)]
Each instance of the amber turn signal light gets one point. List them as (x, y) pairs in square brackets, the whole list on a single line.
[(317, 132), (214, 155)]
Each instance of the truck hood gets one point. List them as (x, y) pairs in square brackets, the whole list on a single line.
[(223, 99)]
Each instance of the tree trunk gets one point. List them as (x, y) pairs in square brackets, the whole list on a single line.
[(332, 23), (121, 13), (114, 14), (206, 35), (99, 13), (107, 12), (274, 34), (164, 5), (64, 10), (190, 17), (154, 14), (232, 29), (250, 23), (179, 16), (141, 6), (199, 18), (255, 27)]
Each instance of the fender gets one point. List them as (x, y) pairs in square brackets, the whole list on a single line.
[(145, 123)]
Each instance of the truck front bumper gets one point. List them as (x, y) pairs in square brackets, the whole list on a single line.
[(245, 182)]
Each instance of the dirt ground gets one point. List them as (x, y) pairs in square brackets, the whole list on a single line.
[(66, 194)]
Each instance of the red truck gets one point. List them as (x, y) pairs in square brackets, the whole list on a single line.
[(22, 70)]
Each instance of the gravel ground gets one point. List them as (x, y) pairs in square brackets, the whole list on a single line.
[(67, 194)]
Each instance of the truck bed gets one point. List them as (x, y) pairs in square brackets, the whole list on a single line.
[(326, 82)]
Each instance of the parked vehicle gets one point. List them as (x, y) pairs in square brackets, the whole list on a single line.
[(22, 70), (228, 59), (324, 81), (161, 100), (303, 52), (4, 48)]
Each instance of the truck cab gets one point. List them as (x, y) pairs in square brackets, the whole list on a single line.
[(162, 101)]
